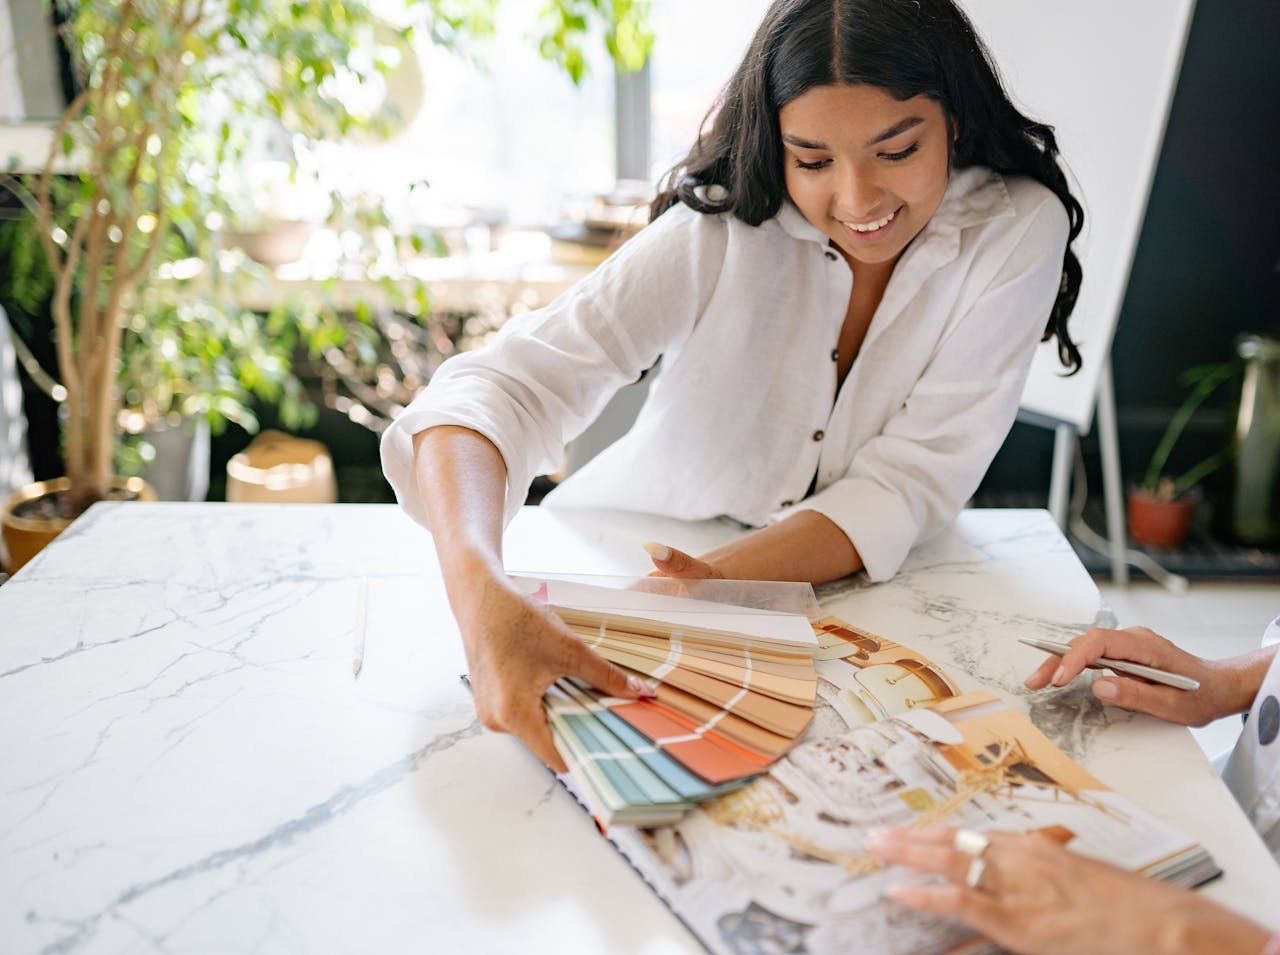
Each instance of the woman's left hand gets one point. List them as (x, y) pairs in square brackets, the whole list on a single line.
[(675, 563), (1032, 895)]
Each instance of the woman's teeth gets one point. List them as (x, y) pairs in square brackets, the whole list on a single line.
[(872, 226)]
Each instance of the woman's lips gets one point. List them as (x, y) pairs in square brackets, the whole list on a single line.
[(873, 230)]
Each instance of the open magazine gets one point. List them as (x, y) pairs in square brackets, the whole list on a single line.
[(781, 864), (778, 863)]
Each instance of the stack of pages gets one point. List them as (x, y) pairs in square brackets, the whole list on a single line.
[(735, 690)]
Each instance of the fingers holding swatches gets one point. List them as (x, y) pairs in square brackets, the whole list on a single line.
[(516, 649)]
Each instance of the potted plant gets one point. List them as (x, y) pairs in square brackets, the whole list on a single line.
[(1161, 506), (119, 185)]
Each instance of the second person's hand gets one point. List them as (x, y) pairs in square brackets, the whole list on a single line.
[(1218, 696), (1032, 895)]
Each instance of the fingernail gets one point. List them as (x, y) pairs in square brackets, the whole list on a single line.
[(641, 687), (877, 837), (1059, 675), (660, 552), (1104, 689)]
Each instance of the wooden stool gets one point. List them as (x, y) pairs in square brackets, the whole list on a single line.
[(278, 468)]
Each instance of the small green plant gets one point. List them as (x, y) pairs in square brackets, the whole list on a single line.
[(1203, 381)]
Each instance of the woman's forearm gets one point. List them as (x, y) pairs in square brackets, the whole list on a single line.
[(806, 546), (1243, 675), (515, 647), (1202, 927), (462, 480)]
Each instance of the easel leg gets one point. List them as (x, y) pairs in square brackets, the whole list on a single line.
[(1060, 477), (1113, 492)]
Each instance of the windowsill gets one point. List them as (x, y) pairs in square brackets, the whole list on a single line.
[(515, 278), (24, 147)]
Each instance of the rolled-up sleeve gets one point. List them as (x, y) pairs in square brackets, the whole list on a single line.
[(548, 374), (911, 480)]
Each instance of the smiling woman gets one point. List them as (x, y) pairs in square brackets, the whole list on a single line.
[(870, 171), (878, 177), (842, 287)]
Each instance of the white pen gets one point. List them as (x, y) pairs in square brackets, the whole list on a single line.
[(1175, 680), (357, 651)]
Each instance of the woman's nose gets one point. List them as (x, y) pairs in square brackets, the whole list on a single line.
[(858, 194)]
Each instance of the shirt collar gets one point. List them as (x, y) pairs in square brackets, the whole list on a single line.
[(974, 196)]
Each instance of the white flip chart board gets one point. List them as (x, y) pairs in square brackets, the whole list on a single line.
[(1102, 73)]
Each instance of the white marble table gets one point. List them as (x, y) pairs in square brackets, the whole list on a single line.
[(187, 764)]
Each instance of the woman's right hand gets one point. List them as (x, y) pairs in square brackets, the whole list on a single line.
[(1220, 693), (515, 649)]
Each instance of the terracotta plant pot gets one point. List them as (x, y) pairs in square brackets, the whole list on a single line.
[(24, 537), (1160, 522)]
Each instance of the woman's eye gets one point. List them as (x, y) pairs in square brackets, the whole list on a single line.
[(819, 164), (899, 156)]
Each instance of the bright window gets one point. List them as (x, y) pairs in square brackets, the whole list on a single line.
[(505, 132), (508, 136), (698, 47)]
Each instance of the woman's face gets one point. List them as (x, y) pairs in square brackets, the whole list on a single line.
[(867, 169)]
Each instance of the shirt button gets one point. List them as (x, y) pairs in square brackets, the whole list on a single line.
[(831, 255), (786, 503), (819, 435), (835, 354)]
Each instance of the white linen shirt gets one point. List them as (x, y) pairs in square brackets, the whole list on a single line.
[(1253, 771), (745, 409)]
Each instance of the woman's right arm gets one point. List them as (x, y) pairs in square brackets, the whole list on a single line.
[(461, 457), (515, 647)]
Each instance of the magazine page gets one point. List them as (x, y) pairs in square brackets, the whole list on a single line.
[(781, 864)]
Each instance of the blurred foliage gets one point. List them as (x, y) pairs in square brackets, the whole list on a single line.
[(173, 95), (569, 23)]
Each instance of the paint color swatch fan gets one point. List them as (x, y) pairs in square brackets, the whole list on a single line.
[(733, 665)]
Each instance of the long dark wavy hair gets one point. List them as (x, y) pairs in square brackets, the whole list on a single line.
[(908, 47)]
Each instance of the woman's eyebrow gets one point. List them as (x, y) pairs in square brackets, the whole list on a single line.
[(911, 122), (801, 143), (894, 130)]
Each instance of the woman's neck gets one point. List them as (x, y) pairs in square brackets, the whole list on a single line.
[(869, 275)]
